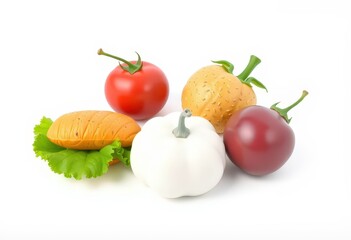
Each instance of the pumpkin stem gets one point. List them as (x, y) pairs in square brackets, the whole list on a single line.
[(182, 131)]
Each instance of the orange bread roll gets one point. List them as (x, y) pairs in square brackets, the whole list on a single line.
[(92, 130)]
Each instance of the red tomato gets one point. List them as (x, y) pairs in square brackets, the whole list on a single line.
[(140, 94), (259, 140)]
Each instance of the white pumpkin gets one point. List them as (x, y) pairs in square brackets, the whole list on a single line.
[(178, 160)]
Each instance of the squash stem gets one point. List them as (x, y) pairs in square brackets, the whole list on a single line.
[(254, 61), (182, 131), (229, 67)]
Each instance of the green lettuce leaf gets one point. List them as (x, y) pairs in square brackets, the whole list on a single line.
[(120, 153), (43, 127), (76, 163), (42, 146)]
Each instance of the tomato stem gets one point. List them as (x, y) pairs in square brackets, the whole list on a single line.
[(283, 112), (182, 131), (131, 68)]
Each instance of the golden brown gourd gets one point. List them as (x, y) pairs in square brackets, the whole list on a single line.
[(92, 130), (215, 93)]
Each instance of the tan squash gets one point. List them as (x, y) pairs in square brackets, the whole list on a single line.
[(213, 92)]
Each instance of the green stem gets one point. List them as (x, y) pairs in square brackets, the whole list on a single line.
[(182, 131), (229, 67), (254, 61), (131, 68), (244, 76), (283, 112)]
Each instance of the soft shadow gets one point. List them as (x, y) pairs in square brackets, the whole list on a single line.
[(116, 174), (231, 180)]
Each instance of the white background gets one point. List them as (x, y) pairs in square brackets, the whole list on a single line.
[(49, 66)]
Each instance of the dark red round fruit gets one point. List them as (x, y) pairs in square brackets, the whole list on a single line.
[(258, 140)]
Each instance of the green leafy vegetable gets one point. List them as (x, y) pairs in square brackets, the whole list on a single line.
[(76, 163)]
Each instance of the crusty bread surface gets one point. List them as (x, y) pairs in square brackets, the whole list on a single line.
[(92, 130)]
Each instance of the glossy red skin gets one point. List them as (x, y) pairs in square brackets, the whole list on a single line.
[(258, 140), (140, 95)]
